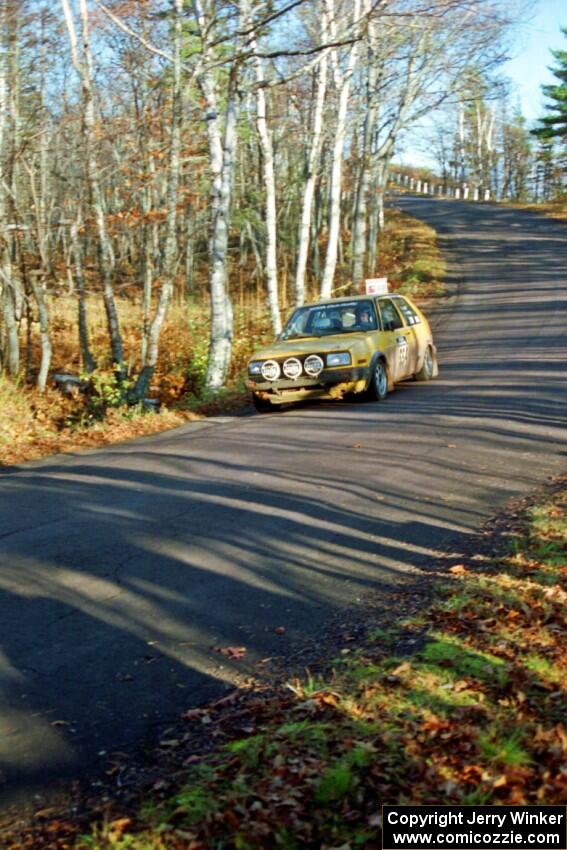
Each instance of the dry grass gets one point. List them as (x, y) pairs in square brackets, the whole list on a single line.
[(552, 209), (410, 257), (33, 425)]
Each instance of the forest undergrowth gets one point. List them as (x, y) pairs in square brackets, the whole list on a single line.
[(96, 411), (552, 209)]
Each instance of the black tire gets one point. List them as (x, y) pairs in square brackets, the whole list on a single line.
[(428, 368), (379, 382), (263, 406)]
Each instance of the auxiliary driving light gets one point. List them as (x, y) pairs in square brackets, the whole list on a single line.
[(292, 368), (313, 365), (270, 370)]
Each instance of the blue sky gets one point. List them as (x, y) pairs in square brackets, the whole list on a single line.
[(527, 70), (529, 67)]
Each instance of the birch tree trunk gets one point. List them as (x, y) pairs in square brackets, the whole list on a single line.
[(342, 81), (268, 174), (83, 67), (89, 363), (37, 283), (220, 348), (311, 176), (359, 229), (222, 150), (42, 204), (376, 218), (11, 294), (170, 249)]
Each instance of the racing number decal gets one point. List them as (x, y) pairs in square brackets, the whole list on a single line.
[(403, 349)]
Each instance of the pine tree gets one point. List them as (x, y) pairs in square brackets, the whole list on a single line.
[(554, 124)]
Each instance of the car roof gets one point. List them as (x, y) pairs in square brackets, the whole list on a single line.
[(338, 300)]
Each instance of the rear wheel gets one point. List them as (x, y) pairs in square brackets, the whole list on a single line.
[(378, 387), (262, 405), (426, 371)]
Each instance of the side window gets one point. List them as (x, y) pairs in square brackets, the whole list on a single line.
[(407, 311), (391, 319)]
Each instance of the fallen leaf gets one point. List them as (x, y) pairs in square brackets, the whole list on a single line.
[(280, 630), (117, 827), (46, 813), (521, 697), (234, 653)]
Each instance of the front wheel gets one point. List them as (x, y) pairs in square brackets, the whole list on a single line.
[(378, 387), (264, 406), (428, 367)]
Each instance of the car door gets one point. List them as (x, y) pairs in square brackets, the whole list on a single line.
[(400, 341), (412, 322)]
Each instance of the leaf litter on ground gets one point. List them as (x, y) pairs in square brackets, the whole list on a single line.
[(463, 703)]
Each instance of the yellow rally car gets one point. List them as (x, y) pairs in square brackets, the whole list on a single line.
[(360, 345)]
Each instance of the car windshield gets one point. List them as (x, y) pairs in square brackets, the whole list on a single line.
[(327, 319)]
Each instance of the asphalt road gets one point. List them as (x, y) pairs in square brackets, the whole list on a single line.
[(121, 569)]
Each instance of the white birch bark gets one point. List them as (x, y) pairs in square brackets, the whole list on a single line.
[(359, 228), (222, 149), (220, 349), (170, 249), (83, 67), (342, 82), (89, 363), (268, 173), (9, 285), (311, 177), (37, 283)]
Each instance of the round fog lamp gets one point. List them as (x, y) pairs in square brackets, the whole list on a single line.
[(270, 370), (292, 368), (313, 365)]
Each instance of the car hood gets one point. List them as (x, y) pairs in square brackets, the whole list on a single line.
[(311, 345)]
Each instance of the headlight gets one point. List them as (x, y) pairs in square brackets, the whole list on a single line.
[(313, 365), (270, 370), (255, 368), (292, 368), (341, 359)]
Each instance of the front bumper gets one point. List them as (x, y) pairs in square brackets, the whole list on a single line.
[(331, 383)]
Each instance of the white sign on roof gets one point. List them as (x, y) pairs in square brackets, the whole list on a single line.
[(376, 286)]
